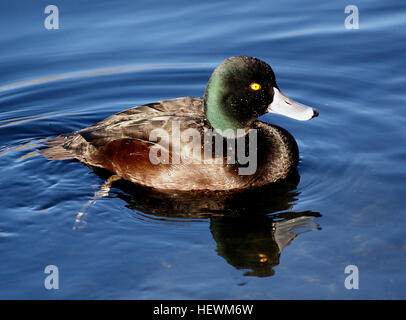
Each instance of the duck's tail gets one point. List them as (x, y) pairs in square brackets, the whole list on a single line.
[(55, 149)]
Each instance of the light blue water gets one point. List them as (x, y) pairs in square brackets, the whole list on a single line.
[(108, 56)]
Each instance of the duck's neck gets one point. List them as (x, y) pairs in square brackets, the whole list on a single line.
[(224, 124)]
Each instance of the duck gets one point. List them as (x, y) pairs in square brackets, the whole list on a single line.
[(214, 143)]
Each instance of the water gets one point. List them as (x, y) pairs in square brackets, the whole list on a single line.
[(290, 241)]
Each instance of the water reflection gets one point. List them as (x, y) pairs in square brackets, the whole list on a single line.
[(249, 232), (255, 243)]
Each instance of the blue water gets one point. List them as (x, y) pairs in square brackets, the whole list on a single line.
[(107, 56)]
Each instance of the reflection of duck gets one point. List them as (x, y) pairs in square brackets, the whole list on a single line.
[(255, 243), (247, 236), (239, 91)]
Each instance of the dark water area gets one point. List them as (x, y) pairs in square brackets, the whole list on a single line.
[(344, 206)]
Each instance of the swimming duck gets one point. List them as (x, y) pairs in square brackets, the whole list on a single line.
[(212, 143)]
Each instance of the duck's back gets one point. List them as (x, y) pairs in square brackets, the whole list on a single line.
[(134, 123), (122, 144)]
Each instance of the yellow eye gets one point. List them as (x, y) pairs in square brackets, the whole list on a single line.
[(255, 86), (263, 257)]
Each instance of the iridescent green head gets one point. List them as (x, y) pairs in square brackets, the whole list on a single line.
[(241, 89), (238, 92)]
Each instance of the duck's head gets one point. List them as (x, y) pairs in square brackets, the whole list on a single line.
[(241, 89)]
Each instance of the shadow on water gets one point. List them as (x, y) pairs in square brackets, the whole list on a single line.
[(249, 228)]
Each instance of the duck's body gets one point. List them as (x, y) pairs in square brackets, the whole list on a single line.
[(122, 144)]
